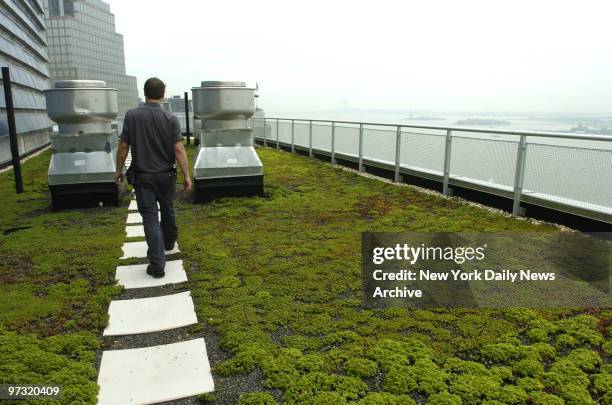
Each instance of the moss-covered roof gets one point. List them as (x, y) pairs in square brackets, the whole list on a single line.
[(277, 280)]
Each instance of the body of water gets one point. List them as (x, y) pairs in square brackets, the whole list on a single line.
[(558, 123), (514, 123)]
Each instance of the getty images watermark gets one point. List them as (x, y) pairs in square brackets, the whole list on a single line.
[(538, 270)]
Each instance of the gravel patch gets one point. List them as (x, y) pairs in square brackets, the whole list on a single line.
[(149, 292)]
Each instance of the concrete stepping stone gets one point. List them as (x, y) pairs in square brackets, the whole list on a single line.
[(154, 314), (154, 374), (139, 250), (136, 218), (135, 276), (134, 205), (134, 231)]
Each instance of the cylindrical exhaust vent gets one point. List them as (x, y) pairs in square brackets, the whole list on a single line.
[(82, 106), (223, 104), (226, 162)]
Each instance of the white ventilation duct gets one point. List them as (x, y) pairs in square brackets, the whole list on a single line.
[(84, 151), (226, 161)]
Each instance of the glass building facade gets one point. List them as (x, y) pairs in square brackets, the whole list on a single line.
[(177, 104), (23, 48), (83, 44)]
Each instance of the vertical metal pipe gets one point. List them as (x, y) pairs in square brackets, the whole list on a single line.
[(310, 140), (519, 175), (292, 136), (187, 118), (277, 126), (360, 147), (333, 144), (447, 161), (398, 149), (264, 133), (10, 115)]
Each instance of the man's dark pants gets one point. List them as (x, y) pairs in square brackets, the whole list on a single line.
[(152, 188)]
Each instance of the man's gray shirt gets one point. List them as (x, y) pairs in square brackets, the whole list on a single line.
[(151, 133)]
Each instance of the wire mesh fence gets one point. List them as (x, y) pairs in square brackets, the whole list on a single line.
[(552, 171), (379, 144), (321, 137), (301, 135), (284, 132), (423, 152), (485, 161), (570, 175), (347, 140)]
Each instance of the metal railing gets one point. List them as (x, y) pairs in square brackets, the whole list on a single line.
[(443, 153)]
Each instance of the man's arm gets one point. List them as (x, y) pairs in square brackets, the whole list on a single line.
[(122, 152), (181, 158), (123, 149)]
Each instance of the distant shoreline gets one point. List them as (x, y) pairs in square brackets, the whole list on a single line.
[(483, 121), (425, 119)]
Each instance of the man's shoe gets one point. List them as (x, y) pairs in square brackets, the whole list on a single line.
[(155, 274), (169, 246)]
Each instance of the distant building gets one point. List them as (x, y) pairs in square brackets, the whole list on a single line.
[(83, 44), (23, 48), (166, 105), (177, 104)]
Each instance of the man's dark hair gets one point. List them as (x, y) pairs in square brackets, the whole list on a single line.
[(154, 89)]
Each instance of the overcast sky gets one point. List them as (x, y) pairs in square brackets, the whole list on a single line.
[(484, 56)]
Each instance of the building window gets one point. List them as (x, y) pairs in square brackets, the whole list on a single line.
[(69, 7), (54, 8)]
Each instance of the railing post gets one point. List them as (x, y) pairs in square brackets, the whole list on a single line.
[(10, 117), (447, 161), (360, 147), (292, 136), (187, 118), (519, 175), (277, 126), (264, 131), (333, 144), (310, 140), (398, 149)]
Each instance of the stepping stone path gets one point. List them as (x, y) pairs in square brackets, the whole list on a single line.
[(146, 375), (136, 218), (135, 277), (154, 374), (134, 206), (139, 250), (134, 231), (145, 315)]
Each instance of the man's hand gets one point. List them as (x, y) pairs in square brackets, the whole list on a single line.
[(181, 159), (122, 152), (187, 184), (119, 177)]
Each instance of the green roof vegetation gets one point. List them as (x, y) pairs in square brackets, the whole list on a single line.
[(278, 279), (57, 276)]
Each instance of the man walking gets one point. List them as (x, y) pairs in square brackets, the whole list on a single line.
[(154, 135)]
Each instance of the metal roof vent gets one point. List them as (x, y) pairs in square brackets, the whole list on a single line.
[(82, 165), (226, 162)]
